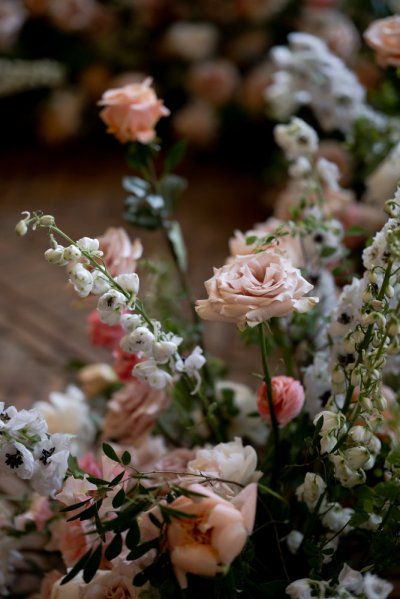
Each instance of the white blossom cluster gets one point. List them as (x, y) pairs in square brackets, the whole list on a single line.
[(350, 585), (309, 74), (28, 451), (118, 303)]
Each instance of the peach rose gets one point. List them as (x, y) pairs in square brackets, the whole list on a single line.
[(132, 112), (383, 36), (132, 412), (255, 288), (214, 534), (120, 254), (287, 398), (290, 246)]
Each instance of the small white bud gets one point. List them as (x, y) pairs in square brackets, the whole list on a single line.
[(338, 376), (130, 322), (355, 378), (21, 228), (47, 220), (349, 344), (373, 277), (56, 256), (394, 328), (163, 350), (110, 305), (381, 403), (294, 540), (356, 457), (72, 253), (389, 291), (366, 404), (100, 283), (87, 244), (128, 282), (140, 340), (155, 377)]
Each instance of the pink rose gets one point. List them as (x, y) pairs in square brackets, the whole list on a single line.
[(124, 364), (131, 112), (132, 412), (104, 335), (214, 534), (383, 36), (255, 288), (287, 398), (120, 254)]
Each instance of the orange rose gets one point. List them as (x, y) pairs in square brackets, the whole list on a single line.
[(131, 112), (383, 36)]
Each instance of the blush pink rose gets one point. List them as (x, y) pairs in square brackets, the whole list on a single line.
[(132, 412), (124, 364), (119, 253), (383, 36), (132, 112), (255, 288), (214, 533), (104, 335), (287, 398)]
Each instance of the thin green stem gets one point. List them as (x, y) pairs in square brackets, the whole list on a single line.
[(268, 386)]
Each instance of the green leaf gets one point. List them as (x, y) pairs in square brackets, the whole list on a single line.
[(133, 536), (119, 499), (171, 188), (114, 548), (110, 453), (77, 568), (268, 491), (74, 506), (356, 230), (92, 564), (175, 155), (141, 578), (175, 237), (327, 251), (142, 549), (117, 479), (126, 458), (251, 239)]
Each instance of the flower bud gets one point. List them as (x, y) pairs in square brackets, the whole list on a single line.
[(373, 277), (21, 228), (356, 457), (338, 376), (47, 220), (130, 322), (140, 340), (87, 244), (72, 253), (155, 377), (389, 291), (128, 282), (349, 344), (100, 283), (381, 403), (366, 404), (55, 256), (163, 350), (110, 305), (355, 378)]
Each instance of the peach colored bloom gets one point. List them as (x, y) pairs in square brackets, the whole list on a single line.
[(214, 81), (290, 246), (287, 398), (73, 541), (209, 542), (96, 378), (132, 412), (383, 36), (132, 112), (104, 335), (120, 254), (255, 288)]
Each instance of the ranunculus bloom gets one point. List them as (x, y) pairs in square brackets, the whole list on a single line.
[(255, 288), (104, 335), (212, 536), (287, 398), (132, 112), (383, 36), (119, 253), (124, 364), (132, 412)]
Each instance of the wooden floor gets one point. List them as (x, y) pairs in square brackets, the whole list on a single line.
[(42, 325)]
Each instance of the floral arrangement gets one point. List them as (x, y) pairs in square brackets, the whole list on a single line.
[(180, 481)]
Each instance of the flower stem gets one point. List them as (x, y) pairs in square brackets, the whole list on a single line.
[(268, 386)]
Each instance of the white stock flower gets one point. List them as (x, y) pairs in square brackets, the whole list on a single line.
[(304, 588), (56, 256), (156, 377), (51, 463), (294, 540), (296, 139), (311, 490), (129, 282), (347, 476), (375, 587), (351, 580), (87, 244), (139, 341), (317, 383), (373, 523), (81, 279), (356, 457), (110, 305), (17, 459), (72, 253), (163, 350), (100, 283), (192, 363), (329, 173), (130, 322), (231, 461), (336, 517)]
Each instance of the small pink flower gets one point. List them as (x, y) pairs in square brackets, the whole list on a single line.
[(383, 36), (124, 363), (287, 398), (104, 335), (213, 535), (132, 112), (119, 253), (89, 464), (252, 289), (132, 412)]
